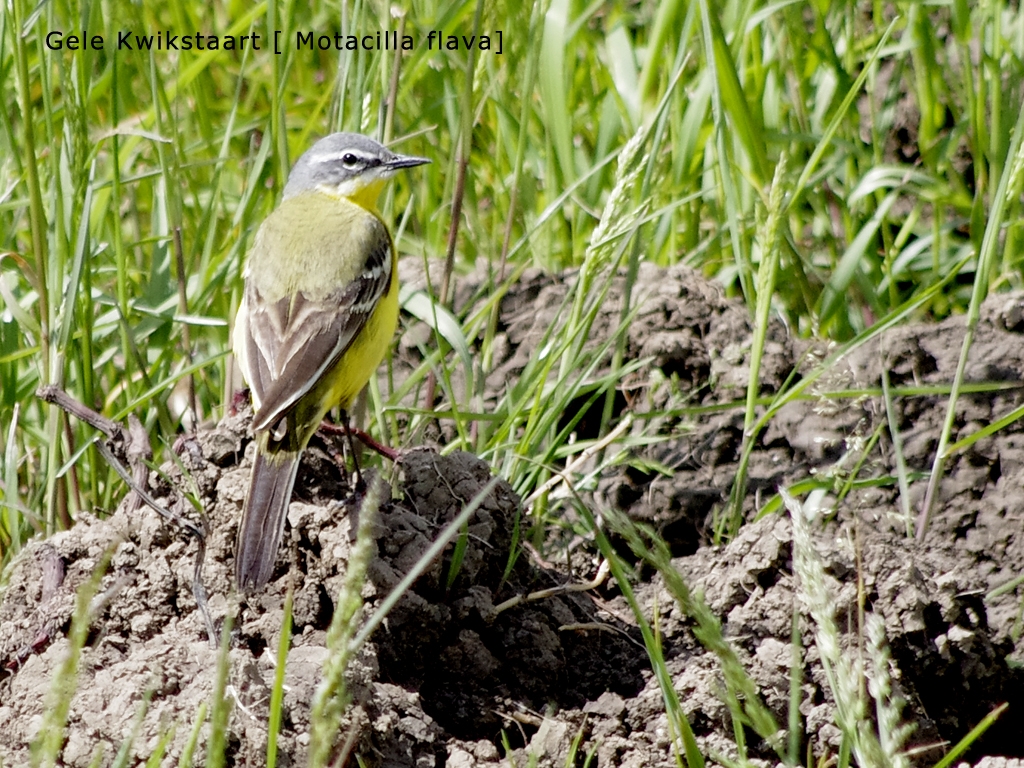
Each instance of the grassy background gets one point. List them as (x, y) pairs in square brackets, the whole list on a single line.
[(842, 166), (894, 125)]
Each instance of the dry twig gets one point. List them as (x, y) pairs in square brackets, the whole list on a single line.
[(132, 446)]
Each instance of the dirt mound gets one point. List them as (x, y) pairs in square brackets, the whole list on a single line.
[(456, 669), (446, 666)]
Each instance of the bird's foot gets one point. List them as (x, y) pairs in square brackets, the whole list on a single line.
[(238, 401)]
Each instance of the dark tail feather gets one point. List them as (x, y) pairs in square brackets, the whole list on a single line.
[(263, 516)]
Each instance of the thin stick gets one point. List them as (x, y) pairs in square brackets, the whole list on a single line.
[(389, 115), (186, 336), (585, 586), (465, 150), (133, 443)]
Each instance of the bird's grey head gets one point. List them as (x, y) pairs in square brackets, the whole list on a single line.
[(344, 164)]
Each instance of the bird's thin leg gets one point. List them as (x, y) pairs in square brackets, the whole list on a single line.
[(337, 454), (392, 454), (352, 450)]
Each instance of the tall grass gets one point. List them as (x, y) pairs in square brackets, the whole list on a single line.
[(109, 155), (602, 136)]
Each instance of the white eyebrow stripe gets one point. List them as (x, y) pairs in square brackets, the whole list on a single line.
[(336, 157)]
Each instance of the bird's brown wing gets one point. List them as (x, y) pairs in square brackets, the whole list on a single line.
[(290, 343)]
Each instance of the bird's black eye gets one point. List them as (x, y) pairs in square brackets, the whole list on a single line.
[(349, 160)]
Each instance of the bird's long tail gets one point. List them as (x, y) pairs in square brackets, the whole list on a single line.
[(263, 515)]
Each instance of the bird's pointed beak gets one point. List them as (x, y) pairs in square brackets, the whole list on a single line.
[(406, 161)]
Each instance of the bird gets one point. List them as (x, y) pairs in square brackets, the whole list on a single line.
[(318, 311)]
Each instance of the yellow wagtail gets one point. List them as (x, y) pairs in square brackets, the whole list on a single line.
[(318, 313)]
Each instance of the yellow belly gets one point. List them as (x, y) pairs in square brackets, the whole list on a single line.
[(362, 358)]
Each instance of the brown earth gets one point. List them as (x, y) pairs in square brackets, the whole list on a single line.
[(448, 677)]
